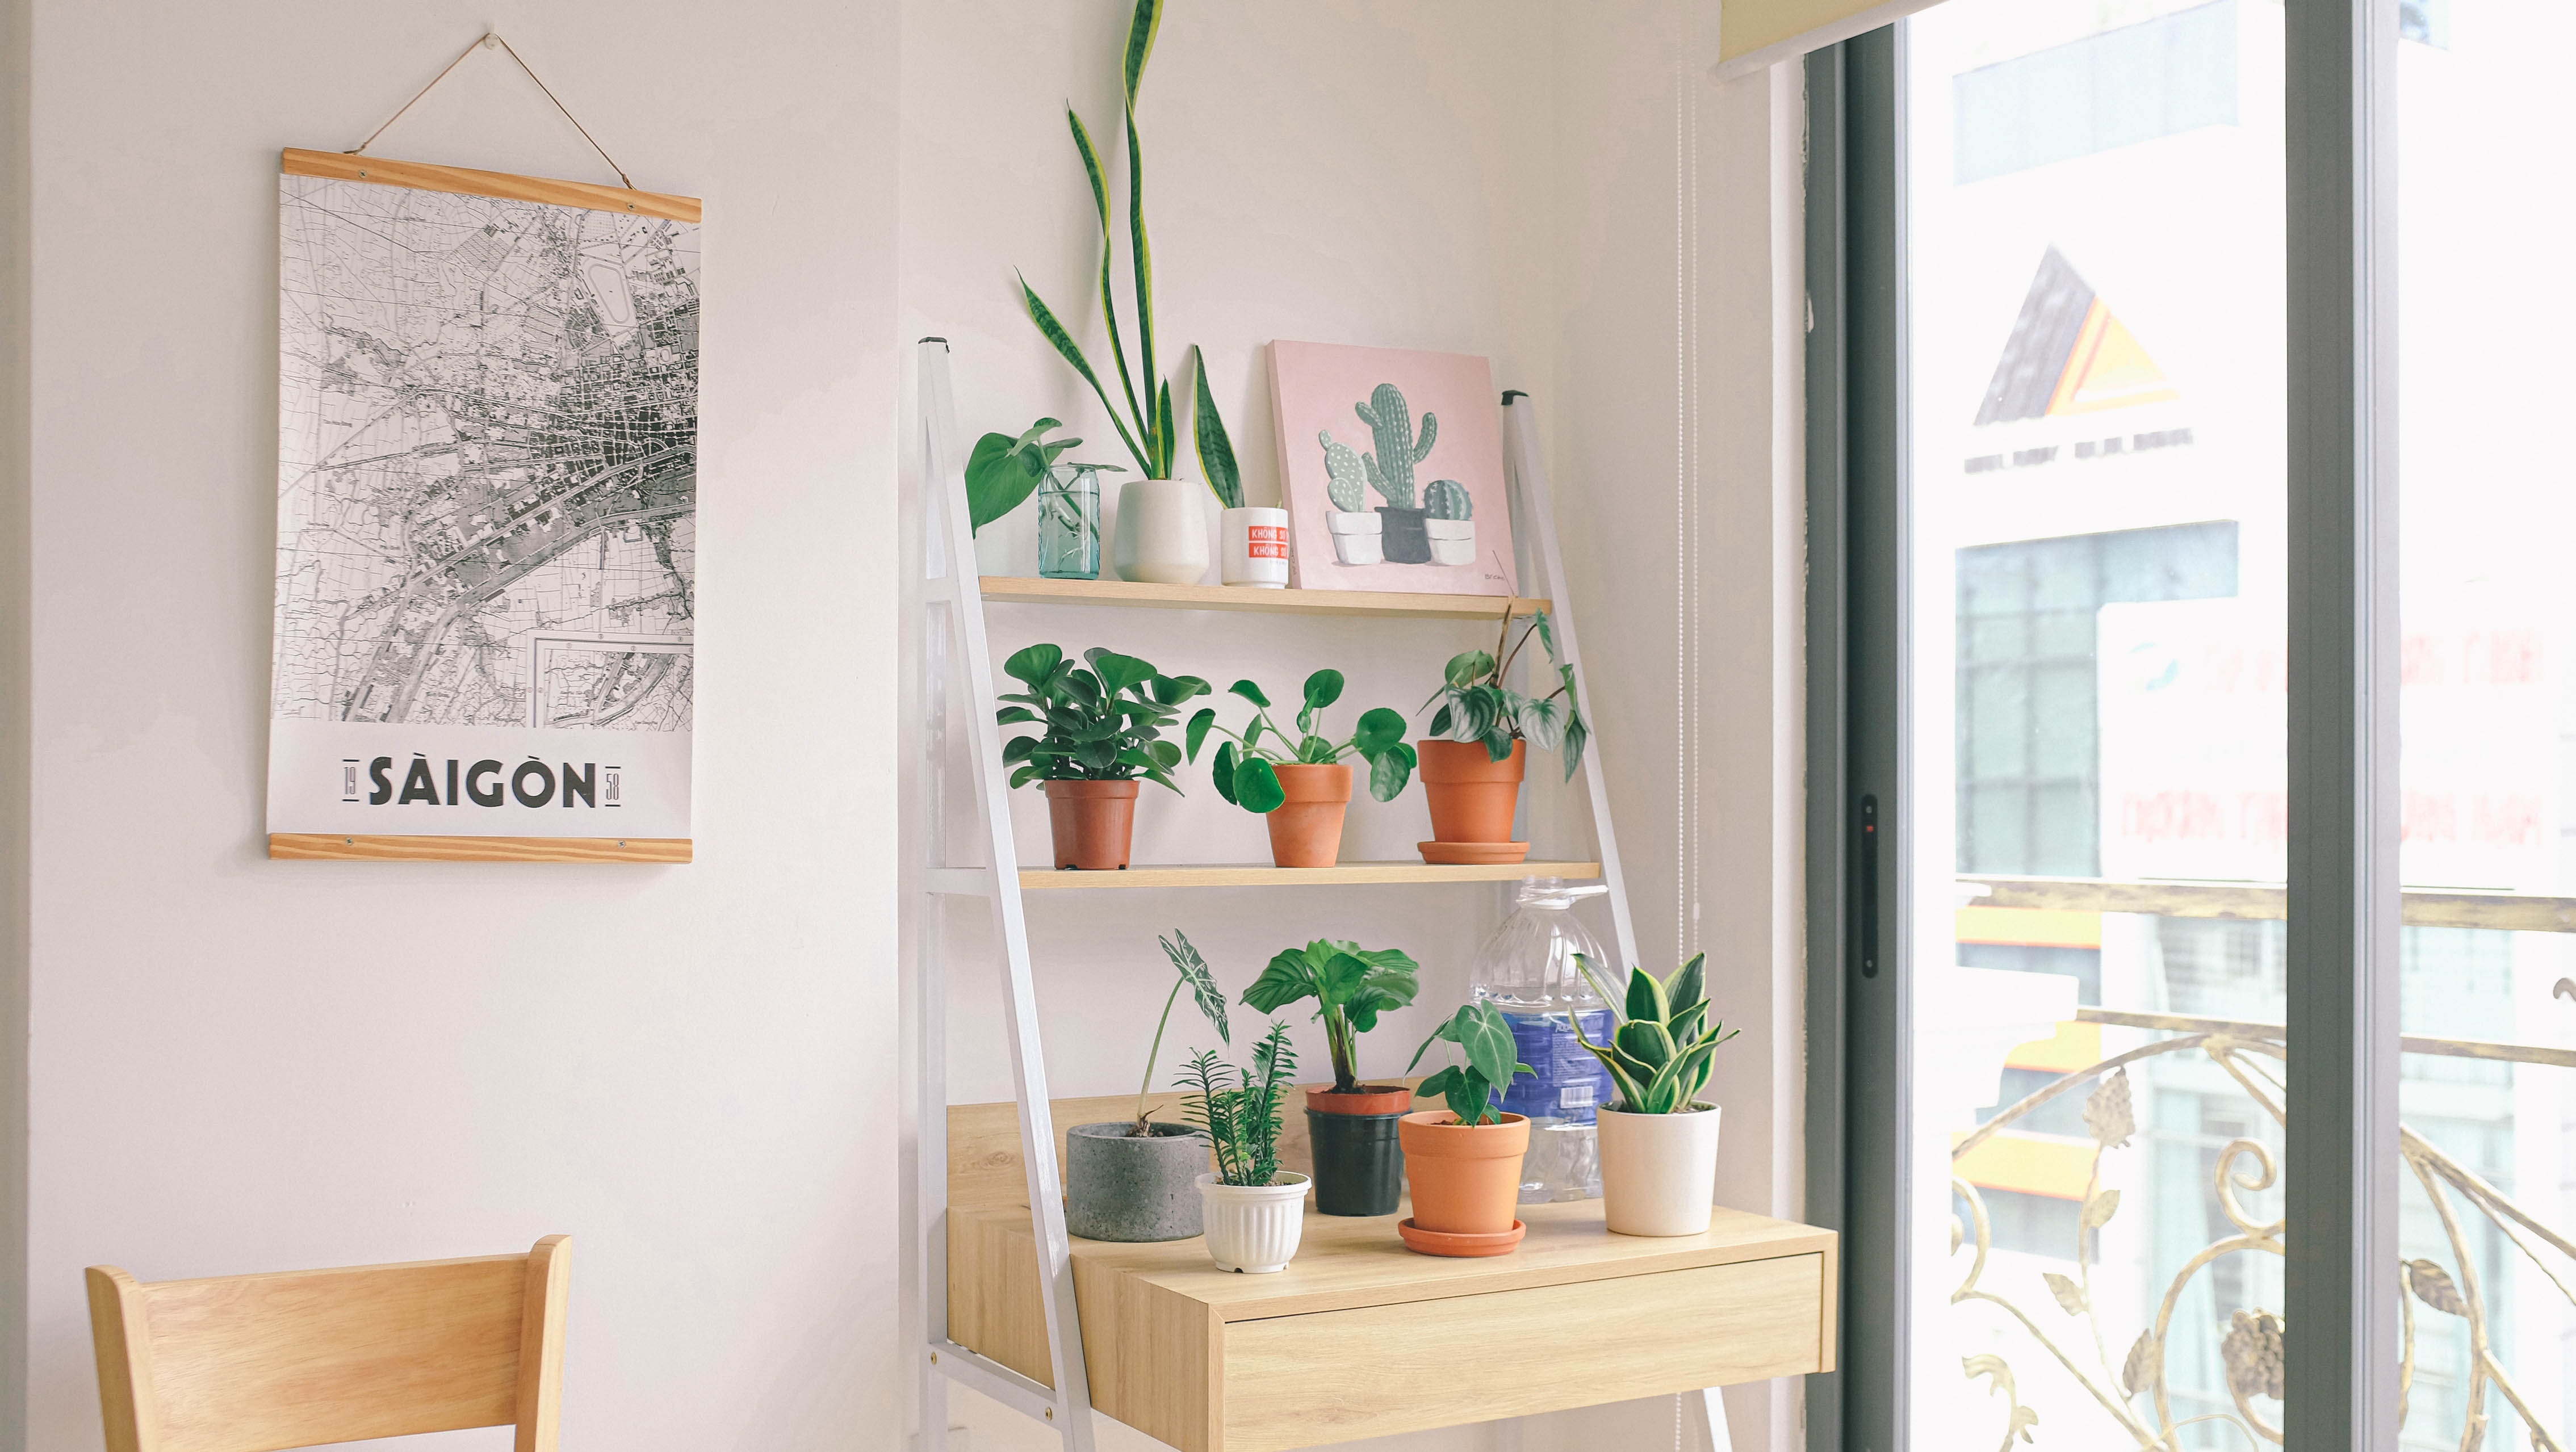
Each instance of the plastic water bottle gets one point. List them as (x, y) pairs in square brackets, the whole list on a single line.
[(1527, 970)]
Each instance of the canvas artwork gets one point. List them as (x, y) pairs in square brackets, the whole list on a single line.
[(487, 508), (1392, 465)]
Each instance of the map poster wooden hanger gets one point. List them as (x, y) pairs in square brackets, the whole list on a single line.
[(487, 489)]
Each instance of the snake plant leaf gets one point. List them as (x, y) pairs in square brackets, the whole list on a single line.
[(1071, 352), (1166, 438), (1646, 1041), (1224, 772), (1158, 402), (1216, 450), (1141, 28), (1389, 770), (1645, 1000), (1197, 732), (1256, 786), (1108, 300), (1194, 971), (1250, 692), (1033, 664)]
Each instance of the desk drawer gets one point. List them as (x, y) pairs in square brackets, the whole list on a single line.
[(1287, 1381)]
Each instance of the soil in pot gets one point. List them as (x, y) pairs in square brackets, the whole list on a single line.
[(1120, 1187), (1407, 542), (1306, 829), (1359, 1156), (1472, 795), (1093, 822), (1466, 1179)]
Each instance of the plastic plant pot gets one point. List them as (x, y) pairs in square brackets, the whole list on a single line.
[(1359, 1155)]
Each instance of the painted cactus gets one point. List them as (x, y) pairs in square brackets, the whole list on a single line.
[(1349, 479), (1447, 499), (1390, 468)]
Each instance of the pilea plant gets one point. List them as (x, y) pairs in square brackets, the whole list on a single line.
[(1485, 1041), (1475, 705), (1194, 976), (1154, 438), (1390, 467), (1102, 724), (1351, 986), (1238, 1109), (1659, 1054), (1243, 768)]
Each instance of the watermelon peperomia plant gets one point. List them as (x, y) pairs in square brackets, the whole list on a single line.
[(1243, 766), (1659, 1054), (1475, 705)]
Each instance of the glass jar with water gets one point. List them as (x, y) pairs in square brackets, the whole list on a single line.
[(1527, 970)]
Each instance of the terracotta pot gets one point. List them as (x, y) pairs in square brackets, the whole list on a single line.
[(1306, 830), (1369, 1099), (1466, 1179), (1472, 795), (1094, 822)]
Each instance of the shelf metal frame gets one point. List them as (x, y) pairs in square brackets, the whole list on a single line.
[(953, 596)]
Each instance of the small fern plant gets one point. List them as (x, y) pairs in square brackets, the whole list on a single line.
[(1659, 1055), (1238, 1109)]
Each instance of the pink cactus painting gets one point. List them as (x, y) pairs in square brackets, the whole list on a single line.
[(1392, 467)]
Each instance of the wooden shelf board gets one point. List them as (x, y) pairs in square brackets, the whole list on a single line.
[(1020, 590), (1259, 874)]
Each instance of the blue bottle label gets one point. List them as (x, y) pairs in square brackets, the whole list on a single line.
[(1571, 1085)]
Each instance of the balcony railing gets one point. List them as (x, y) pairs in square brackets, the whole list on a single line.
[(2127, 1374)]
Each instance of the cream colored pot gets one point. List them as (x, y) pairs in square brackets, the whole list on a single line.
[(1658, 1171)]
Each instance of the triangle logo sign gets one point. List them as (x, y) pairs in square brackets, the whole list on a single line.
[(2069, 354)]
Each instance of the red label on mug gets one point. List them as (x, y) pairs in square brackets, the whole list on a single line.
[(1266, 541)]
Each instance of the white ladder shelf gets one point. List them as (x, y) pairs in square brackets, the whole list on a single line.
[(952, 618)]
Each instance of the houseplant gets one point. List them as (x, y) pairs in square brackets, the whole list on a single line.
[(1464, 1162), (1103, 731), (1473, 766), (1137, 1179), (1302, 784), (1359, 1162), (1162, 528), (1659, 1141), (1254, 1210)]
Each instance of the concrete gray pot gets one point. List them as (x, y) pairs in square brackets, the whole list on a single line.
[(1117, 1187)]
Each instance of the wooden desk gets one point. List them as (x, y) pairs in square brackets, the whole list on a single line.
[(1361, 1337)]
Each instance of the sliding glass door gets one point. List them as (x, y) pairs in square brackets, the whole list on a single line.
[(2158, 733)]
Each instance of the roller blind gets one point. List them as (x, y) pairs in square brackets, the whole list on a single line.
[(1752, 34)]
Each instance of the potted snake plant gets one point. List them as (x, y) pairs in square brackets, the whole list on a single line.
[(1659, 1141), (1102, 734), (1302, 783), (1255, 1212), (1137, 1179), (1478, 751), (1359, 1160)]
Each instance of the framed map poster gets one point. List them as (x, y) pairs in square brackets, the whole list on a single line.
[(486, 516)]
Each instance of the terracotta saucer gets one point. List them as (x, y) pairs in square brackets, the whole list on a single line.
[(1442, 1242), (1472, 854)]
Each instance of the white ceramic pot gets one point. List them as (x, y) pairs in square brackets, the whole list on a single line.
[(1256, 548), (1357, 538), (1453, 541), (1253, 1228), (1658, 1171), (1162, 531)]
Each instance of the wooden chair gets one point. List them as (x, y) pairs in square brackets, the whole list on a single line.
[(300, 1358)]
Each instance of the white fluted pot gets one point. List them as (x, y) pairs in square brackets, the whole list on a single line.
[(1253, 1228), (1658, 1171)]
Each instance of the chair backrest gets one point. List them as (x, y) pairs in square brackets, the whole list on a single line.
[(300, 1358)]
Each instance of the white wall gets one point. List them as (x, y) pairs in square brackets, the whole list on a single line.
[(238, 1065), (241, 1065)]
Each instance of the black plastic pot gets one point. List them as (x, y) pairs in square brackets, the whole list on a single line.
[(1359, 1163), (1406, 541)]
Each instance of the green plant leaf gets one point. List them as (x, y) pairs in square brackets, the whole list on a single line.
[(1015, 715), (1649, 1043), (1118, 672), (1034, 664), (1468, 667), (1224, 772), (1645, 1001), (1197, 731), (1286, 979), (1071, 351), (1250, 692), (1194, 971), (1688, 987), (995, 482), (1389, 770), (1324, 687), (1486, 1040), (1380, 730), (1577, 730), (1173, 690), (1440, 724), (1216, 451), (1546, 632), (1108, 301), (1140, 42), (1018, 748), (1256, 786)]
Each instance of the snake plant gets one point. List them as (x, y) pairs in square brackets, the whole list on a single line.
[(1149, 428), (1659, 1054)]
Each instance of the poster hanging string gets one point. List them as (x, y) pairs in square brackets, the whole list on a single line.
[(490, 39)]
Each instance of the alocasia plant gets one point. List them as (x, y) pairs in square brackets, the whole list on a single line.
[(1485, 1041), (1351, 986)]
